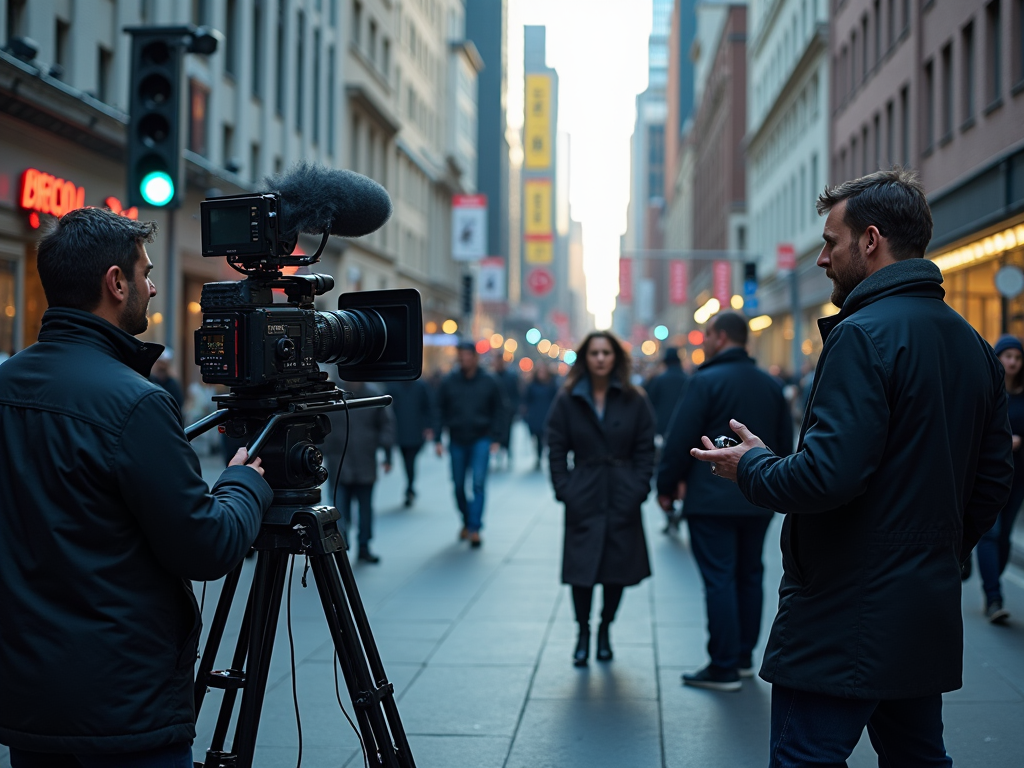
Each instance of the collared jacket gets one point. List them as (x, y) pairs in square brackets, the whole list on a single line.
[(104, 520), (728, 386), (904, 461), (613, 458), (470, 409)]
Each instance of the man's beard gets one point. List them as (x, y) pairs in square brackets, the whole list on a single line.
[(133, 317), (845, 279)]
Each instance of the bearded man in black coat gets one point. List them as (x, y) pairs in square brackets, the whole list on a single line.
[(904, 462)]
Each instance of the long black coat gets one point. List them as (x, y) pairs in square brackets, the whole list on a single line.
[(904, 461), (104, 518), (611, 476)]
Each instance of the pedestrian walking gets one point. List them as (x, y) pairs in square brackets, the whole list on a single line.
[(105, 519), (357, 436), (666, 390), (508, 380), (471, 408), (608, 424), (994, 547), (904, 461), (413, 409), (163, 374), (537, 399), (726, 531)]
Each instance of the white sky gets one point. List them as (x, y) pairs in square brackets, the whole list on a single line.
[(599, 48)]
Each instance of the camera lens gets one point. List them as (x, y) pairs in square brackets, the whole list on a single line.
[(349, 336)]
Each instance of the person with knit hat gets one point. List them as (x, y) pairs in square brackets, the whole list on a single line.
[(994, 547)]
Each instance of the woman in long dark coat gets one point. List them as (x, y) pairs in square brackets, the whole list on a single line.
[(608, 425)]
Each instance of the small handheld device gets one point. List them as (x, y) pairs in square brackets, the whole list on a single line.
[(724, 442)]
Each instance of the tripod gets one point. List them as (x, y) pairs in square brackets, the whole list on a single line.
[(295, 525)]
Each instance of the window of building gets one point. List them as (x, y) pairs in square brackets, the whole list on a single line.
[(199, 97), (864, 150), (891, 25), (258, 54), (357, 23), (905, 124), (354, 163), (854, 154), (316, 86), (254, 162), (8, 305), (878, 31), (228, 149), (279, 86), (864, 42), (104, 75), (853, 61), (231, 38), (890, 134), (200, 12), (947, 92), (878, 141), (929, 106), (967, 74), (841, 171), (331, 105), (63, 48), (1018, 43), (814, 177), (906, 16), (300, 69), (373, 41), (16, 18), (994, 54), (842, 81), (385, 57)]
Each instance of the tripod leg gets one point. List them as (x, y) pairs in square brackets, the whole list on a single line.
[(227, 705), (266, 610), (362, 625), (362, 691), (220, 619)]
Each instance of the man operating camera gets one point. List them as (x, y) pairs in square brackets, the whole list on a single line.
[(104, 519)]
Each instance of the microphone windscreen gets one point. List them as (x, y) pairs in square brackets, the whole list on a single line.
[(313, 195)]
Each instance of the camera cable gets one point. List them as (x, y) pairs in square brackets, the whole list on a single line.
[(291, 655)]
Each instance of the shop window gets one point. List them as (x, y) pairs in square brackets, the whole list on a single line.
[(35, 301), (199, 97), (8, 309)]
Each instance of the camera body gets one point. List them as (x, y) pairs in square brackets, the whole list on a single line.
[(244, 227)]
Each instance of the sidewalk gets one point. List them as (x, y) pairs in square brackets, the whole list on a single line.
[(478, 645)]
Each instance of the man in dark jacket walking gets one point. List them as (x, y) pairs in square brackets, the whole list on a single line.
[(666, 390), (413, 408), (364, 431), (471, 407), (104, 519), (904, 462), (726, 531)]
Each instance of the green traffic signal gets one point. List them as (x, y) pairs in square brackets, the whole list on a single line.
[(157, 188)]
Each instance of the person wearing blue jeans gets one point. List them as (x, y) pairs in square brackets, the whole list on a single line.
[(173, 756), (473, 458), (472, 408)]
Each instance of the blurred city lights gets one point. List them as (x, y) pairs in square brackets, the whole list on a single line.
[(553, 351), (511, 345), (563, 369), (695, 337), (497, 340), (157, 317), (736, 302), (526, 365), (760, 322), (570, 356), (698, 357), (430, 327), (533, 336), (483, 346), (194, 307), (661, 333), (543, 346), (508, 356), (449, 326), (704, 314), (648, 347)]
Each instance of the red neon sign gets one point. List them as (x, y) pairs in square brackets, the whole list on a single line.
[(45, 193)]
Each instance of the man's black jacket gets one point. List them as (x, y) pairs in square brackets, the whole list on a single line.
[(104, 519), (728, 386), (470, 409), (665, 391), (904, 461)]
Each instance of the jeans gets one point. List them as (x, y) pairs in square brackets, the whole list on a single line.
[(994, 547), (174, 756), (728, 549), (409, 454), (812, 729), (475, 456), (363, 494)]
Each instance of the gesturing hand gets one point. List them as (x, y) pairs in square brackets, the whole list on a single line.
[(241, 457), (725, 461)]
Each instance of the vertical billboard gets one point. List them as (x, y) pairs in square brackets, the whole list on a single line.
[(625, 281), (469, 227), (677, 281), (537, 122), (722, 282)]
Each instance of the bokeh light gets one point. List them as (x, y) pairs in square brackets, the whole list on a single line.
[(157, 317), (497, 340), (511, 345), (698, 357), (736, 302), (431, 327), (553, 351), (648, 347), (570, 356), (508, 356), (695, 337), (661, 333), (543, 346), (563, 368), (533, 336), (483, 346), (526, 365), (449, 326)]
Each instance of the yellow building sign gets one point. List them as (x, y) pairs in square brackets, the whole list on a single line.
[(540, 251), (537, 128), (537, 213)]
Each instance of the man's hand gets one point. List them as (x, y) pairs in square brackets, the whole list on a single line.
[(439, 449), (1016, 442), (666, 502), (241, 457), (725, 461), (387, 467)]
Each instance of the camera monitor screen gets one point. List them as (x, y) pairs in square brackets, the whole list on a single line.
[(230, 225)]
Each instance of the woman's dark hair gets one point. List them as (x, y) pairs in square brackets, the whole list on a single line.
[(74, 256), (620, 372), (893, 201)]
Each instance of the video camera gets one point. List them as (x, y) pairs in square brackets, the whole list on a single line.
[(255, 345)]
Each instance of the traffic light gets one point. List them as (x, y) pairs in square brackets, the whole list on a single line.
[(155, 170), (467, 295)]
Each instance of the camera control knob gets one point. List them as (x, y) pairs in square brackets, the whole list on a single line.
[(286, 349)]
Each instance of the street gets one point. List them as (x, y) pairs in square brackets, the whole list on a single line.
[(478, 645)]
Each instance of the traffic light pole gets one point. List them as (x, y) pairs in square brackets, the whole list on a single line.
[(170, 287)]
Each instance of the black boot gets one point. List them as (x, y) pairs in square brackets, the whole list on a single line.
[(604, 646), (579, 658)]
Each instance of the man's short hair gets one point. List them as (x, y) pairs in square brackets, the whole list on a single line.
[(733, 325), (74, 256), (893, 200)]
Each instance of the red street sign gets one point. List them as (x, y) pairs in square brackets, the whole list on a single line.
[(722, 282), (625, 280), (677, 281), (540, 281), (785, 255), (469, 201)]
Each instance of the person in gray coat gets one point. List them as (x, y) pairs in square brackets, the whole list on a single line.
[(369, 429)]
